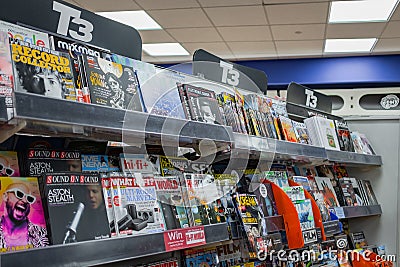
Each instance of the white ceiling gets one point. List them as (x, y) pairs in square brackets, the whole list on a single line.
[(250, 29)]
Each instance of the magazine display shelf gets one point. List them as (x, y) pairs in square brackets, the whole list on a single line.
[(358, 211), (53, 116), (98, 252), (353, 158)]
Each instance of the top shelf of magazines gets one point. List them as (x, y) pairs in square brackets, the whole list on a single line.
[(96, 94)]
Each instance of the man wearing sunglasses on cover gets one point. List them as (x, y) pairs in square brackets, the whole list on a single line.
[(16, 231)]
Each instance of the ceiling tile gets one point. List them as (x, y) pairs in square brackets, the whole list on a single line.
[(156, 36), (190, 35), (298, 32), (218, 49), (107, 5), (237, 16), (180, 18), (387, 45), (297, 13), (251, 49), (293, 48), (249, 33), (170, 4), (167, 60), (392, 30), (355, 30), (267, 2), (227, 3)]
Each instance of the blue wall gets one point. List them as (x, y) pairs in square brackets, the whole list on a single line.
[(337, 72)]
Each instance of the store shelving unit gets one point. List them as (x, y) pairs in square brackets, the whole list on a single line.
[(359, 211), (353, 159), (91, 253)]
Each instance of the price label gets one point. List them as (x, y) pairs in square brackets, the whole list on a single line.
[(184, 238)]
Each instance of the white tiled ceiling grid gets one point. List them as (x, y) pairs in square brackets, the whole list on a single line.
[(250, 29)]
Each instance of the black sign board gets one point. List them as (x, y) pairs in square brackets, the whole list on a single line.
[(380, 101), (73, 22), (306, 97), (332, 227), (227, 72)]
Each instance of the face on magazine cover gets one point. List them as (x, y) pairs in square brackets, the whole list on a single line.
[(18, 200), (94, 197), (5, 169), (206, 111)]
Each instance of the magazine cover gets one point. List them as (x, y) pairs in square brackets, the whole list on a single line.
[(38, 161), (340, 171), (24, 34), (184, 100), (75, 49), (249, 213), (75, 207), (301, 132), (303, 181), (344, 136), (112, 84), (277, 177), (167, 165), (325, 187), (370, 192), (23, 224), (201, 191), (358, 240), (358, 191), (287, 128), (6, 73), (9, 164), (136, 209), (136, 163), (203, 104), (327, 132), (170, 195), (349, 197), (306, 216), (42, 71), (97, 163), (265, 106), (366, 144), (266, 200), (295, 193)]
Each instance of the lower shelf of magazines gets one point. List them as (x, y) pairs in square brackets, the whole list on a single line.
[(283, 150), (98, 252), (357, 211)]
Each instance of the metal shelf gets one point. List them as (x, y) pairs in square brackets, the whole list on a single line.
[(358, 211), (353, 158), (49, 115), (36, 114), (296, 151), (98, 252)]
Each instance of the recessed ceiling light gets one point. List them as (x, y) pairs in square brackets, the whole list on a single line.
[(165, 49), (361, 11), (139, 19), (349, 45)]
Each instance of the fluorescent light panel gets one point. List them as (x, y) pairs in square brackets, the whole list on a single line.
[(349, 45), (139, 20), (165, 49), (361, 11)]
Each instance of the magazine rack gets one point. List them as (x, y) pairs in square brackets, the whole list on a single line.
[(109, 250), (290, 216)]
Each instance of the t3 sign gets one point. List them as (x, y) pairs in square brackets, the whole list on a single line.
[(227, 72), (306, 97), (61, 18)]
